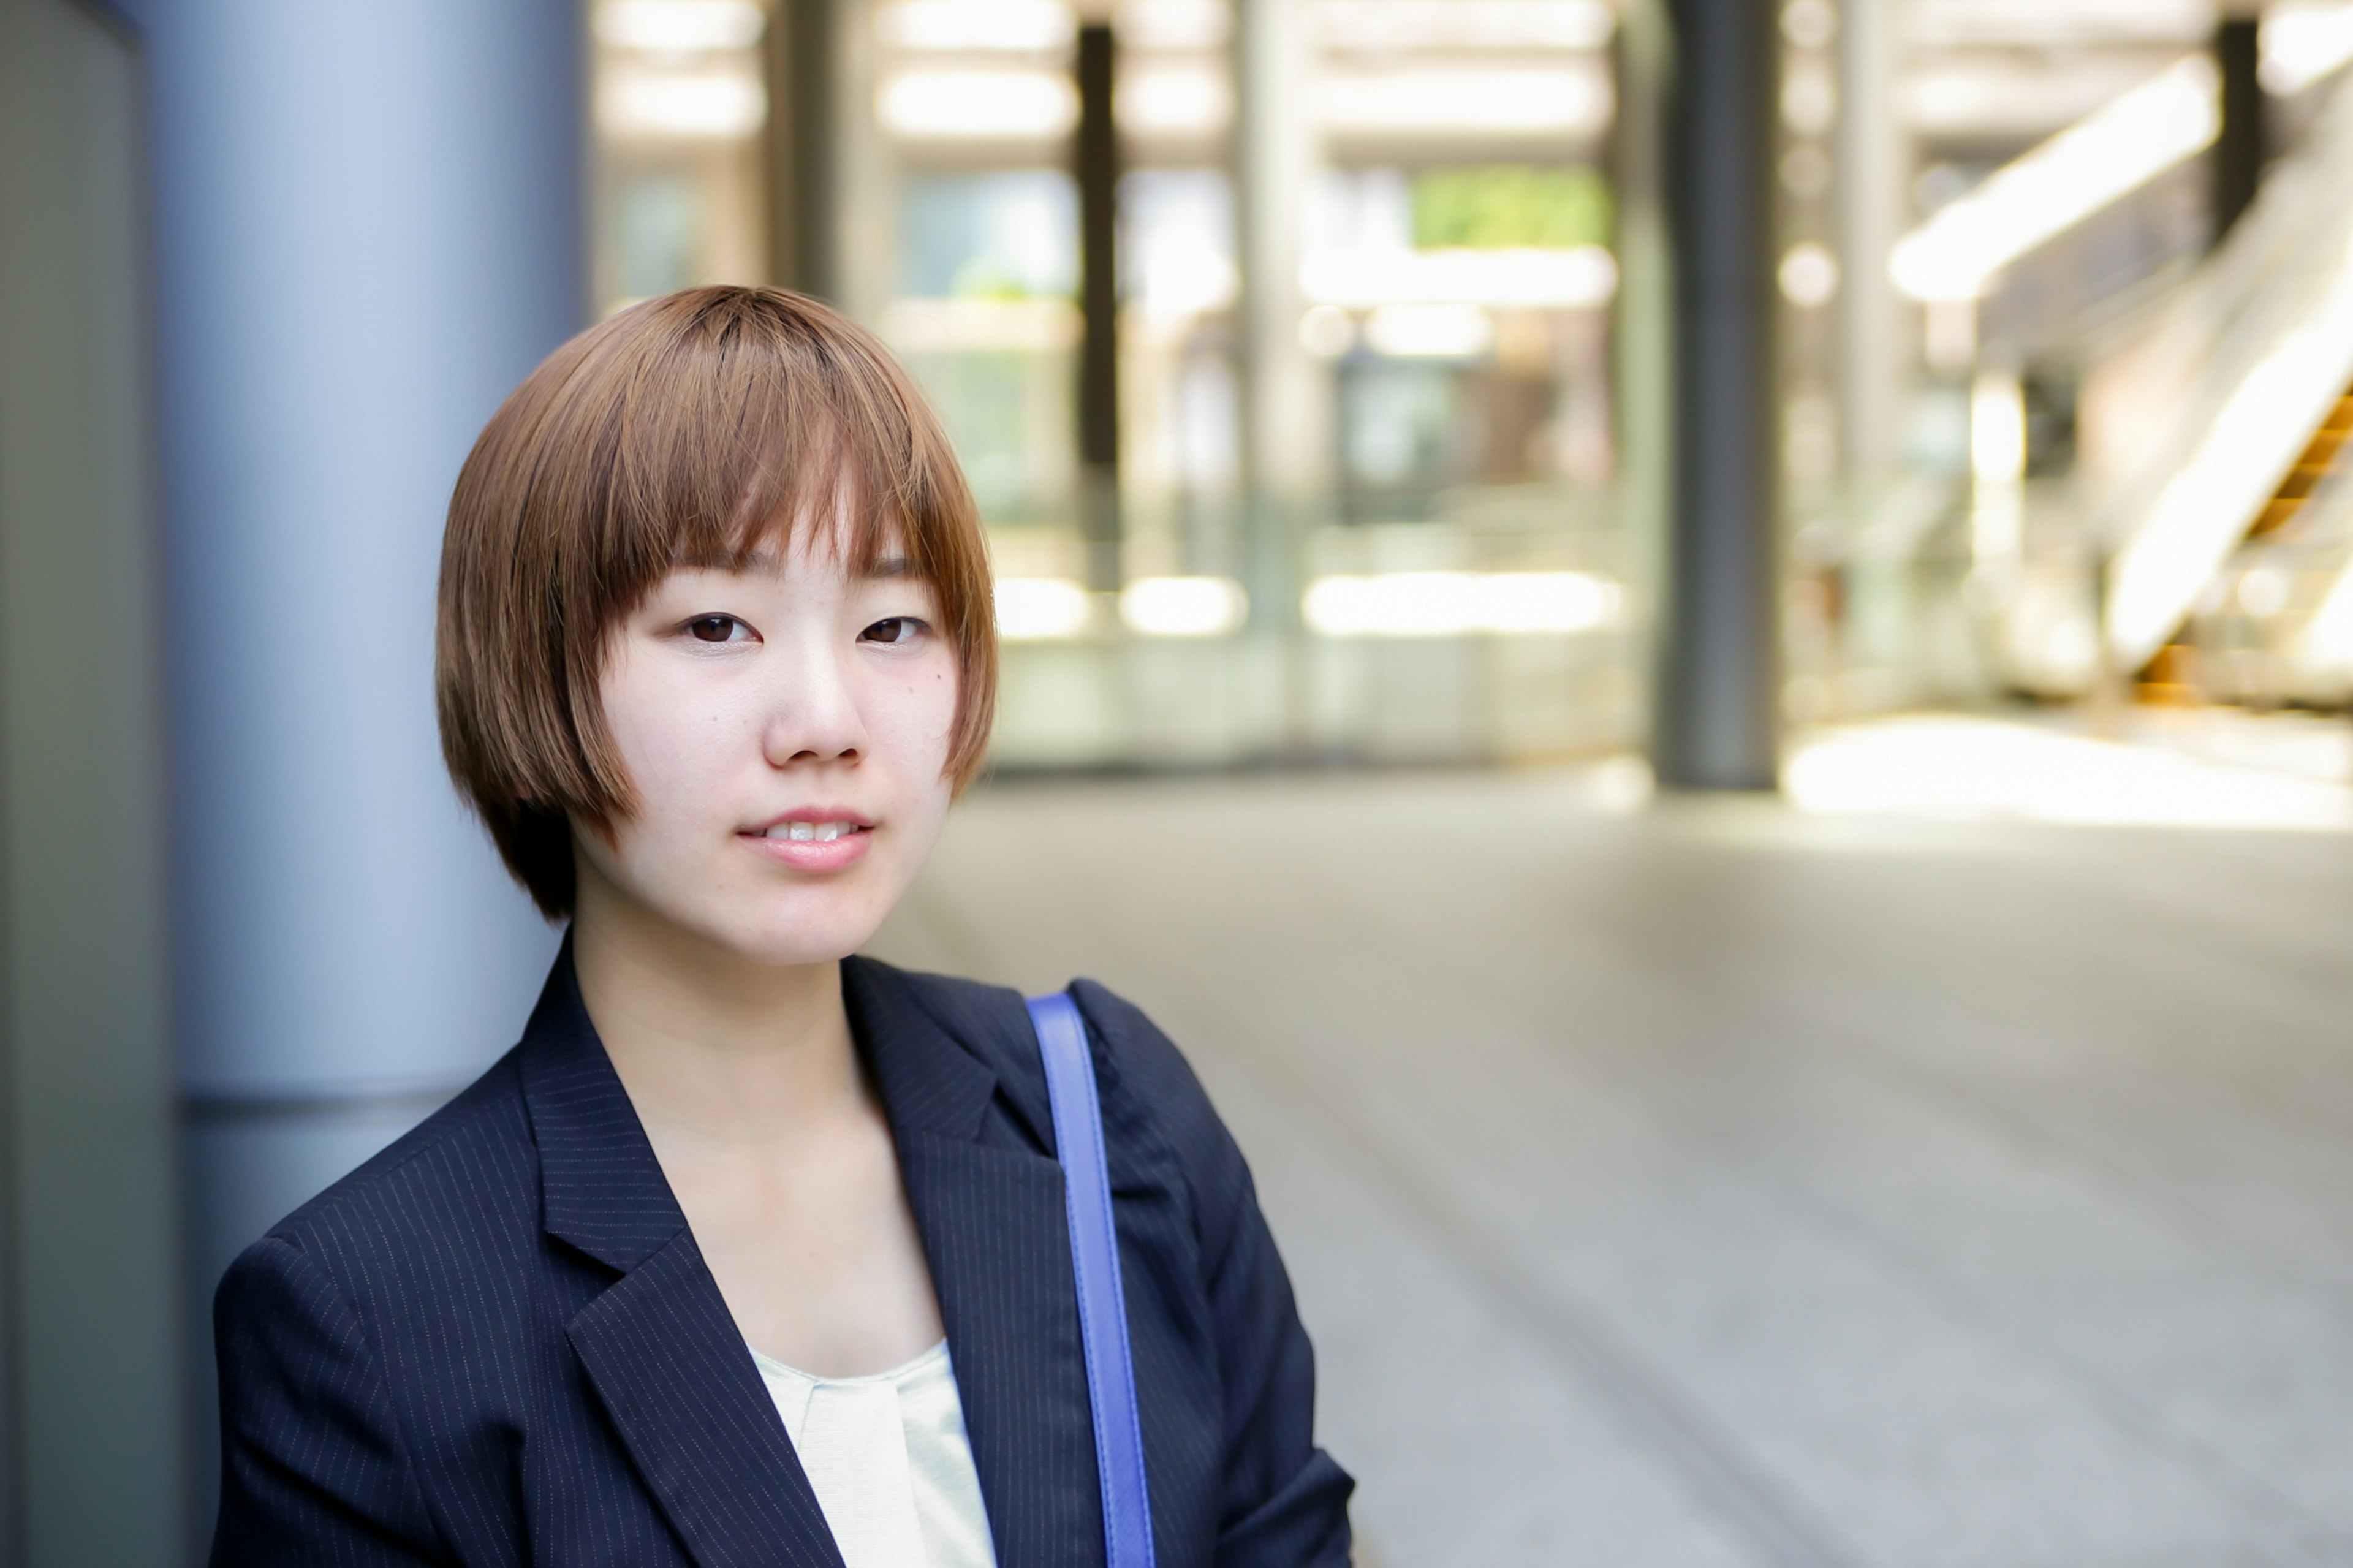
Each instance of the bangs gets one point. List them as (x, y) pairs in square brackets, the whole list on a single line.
[(698, 429), (741, 431)]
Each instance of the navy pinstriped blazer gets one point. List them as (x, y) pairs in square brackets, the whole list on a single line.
[(496, 1342)]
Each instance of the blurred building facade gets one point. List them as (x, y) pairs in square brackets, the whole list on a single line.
[(1328, 375), (1998, 235)]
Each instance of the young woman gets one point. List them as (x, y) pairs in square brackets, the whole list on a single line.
[(752, 1251)]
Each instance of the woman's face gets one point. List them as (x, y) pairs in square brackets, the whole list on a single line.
[(787, 729)]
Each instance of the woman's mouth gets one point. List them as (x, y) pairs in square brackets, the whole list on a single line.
[(813, 832), (814, 841)]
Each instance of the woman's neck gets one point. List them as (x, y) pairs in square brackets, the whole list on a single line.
[(712, 1048)]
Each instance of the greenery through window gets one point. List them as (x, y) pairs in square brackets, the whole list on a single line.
[(1511, 204)]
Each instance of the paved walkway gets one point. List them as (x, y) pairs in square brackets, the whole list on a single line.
[(1715, 1185)]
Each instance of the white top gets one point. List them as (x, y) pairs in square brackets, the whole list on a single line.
[(887, 1456)]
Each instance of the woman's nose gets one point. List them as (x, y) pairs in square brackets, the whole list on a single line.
[(813, 713)]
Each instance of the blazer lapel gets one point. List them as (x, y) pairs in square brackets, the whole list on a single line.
[(998, 1240), (674, 1375), (659, 1344)]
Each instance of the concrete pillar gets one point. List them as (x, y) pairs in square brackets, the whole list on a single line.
[(1644, 314), (833, 180), (2243, 145), (1095, 167), (368, 229), (1286, 434), (1874, 201), (804, 110), (1717, 722), (92, 1391)]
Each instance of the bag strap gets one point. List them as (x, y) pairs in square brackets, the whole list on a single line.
[(1094, 1257)]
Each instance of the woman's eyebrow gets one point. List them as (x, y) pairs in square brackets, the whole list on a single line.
[(725, 561), (884, 567)]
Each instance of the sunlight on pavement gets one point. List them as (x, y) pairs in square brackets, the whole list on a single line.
[(1968, 768)]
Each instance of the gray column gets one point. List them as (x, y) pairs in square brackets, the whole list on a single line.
[(1642, 315), (2243, 146), (1874, 168), (91, 1388), (804, 110), (1095, 168), (1286, 432), (1717, 724), (863, 213), (369, 227), (1286, 413)]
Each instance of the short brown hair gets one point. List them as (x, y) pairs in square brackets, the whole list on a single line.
[(694, 427)]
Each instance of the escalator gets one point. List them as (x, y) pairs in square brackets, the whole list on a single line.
[(2274, 627), (2228, 543)]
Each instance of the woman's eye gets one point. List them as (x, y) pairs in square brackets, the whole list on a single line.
[(898, 629), (713, 628)]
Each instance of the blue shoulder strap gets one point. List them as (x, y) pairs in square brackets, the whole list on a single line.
[(1095, 1256)]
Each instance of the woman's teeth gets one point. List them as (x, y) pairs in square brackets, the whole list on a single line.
[(806, 832)]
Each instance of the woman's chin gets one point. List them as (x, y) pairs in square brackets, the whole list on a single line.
[(806, 931)]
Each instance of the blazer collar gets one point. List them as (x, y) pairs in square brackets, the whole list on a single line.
[(930, 1081), (665, 1355), (997, 1237), (601, 1188)]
